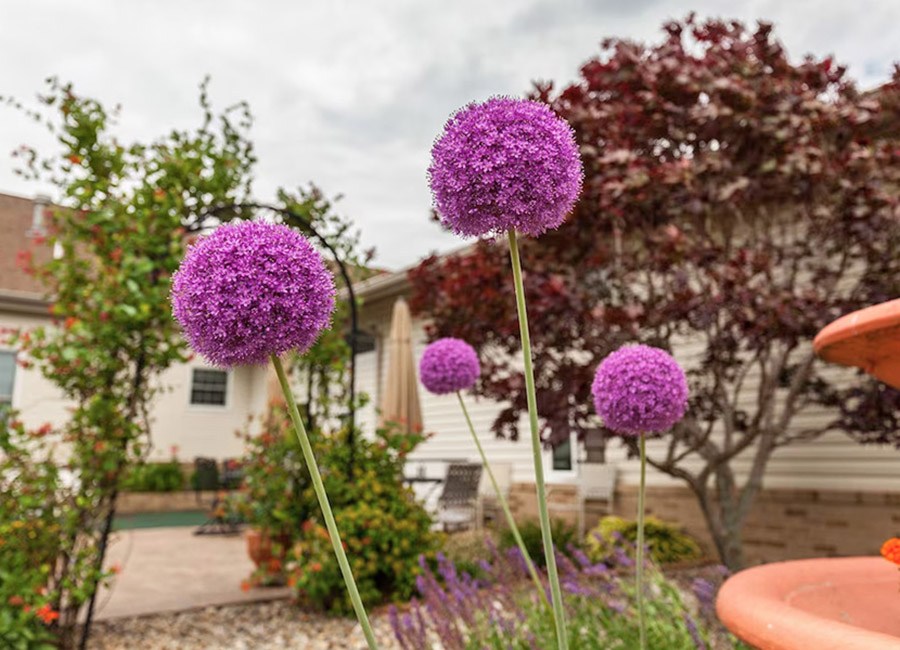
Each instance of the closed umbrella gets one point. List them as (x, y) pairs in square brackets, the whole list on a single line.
[(401, 392)]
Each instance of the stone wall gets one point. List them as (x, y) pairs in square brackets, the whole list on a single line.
[(130, 503), (784, 524)]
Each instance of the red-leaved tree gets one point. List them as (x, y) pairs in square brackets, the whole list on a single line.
[(734, 203)]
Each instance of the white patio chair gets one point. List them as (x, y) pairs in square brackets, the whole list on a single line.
[(596, 482), (487, 497)]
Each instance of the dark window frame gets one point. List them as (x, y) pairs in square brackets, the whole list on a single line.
[(209, 387)]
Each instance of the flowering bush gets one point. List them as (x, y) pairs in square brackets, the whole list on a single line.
[(461, 612), (31, 535), (383, 527), (665, 541)]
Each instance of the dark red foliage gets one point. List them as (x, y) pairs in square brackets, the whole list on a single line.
[(734, 203)]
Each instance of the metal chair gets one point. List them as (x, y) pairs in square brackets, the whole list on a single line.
[(457, 503), (206, 478), (488, 507), (596, 482)]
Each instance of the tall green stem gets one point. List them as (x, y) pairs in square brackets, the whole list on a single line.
[(319, 488), (552, 573), (503, 504), (640, 545)]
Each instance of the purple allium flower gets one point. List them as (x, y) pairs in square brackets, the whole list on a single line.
[(639, 389), (449, 365), (505, 163), (249, 290)]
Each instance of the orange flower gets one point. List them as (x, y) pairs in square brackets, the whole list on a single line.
[(46, 614), (246, 586), (890, 550), (315, 567), (15, 600)]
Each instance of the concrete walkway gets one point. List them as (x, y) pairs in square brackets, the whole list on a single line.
[(171, 569)]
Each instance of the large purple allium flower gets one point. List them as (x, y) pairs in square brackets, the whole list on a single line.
[(249, 290), (449, 365), (502, 164), (640, 389)]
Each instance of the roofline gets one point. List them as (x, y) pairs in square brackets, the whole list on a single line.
[(395, 283), (21, 302)]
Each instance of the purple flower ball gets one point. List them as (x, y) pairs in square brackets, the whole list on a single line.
[(249, 290), (640, 389), (503, 164), (449, 365)]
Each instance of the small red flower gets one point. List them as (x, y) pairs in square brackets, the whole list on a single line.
[(46, 614), (315, 567), (246, 586), (890, 550), (15, 600), (75, 159)]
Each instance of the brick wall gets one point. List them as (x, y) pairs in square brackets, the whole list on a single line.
[(784, 524)]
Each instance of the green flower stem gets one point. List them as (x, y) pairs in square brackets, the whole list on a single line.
[(319, 488), (552, 573), (640, 545), (503, 504)]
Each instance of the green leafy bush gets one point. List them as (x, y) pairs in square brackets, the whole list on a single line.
[(564, 536), (468, 549), (384, 528), (154, 477), (666, 542)]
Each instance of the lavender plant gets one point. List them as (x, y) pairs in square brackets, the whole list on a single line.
[(640, 390), (458, 612), (451, 365), (510, 165), (248, 293)]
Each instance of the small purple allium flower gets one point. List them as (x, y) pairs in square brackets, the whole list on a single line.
[(640, 389), (449, 365), (249, 290), (503, 164)]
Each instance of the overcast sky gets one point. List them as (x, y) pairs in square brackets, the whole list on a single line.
[(351, 95)]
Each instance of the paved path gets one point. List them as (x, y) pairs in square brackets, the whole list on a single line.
[(171, 569)]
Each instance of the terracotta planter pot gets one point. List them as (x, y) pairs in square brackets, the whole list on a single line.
[(260, 550), (825, 604)]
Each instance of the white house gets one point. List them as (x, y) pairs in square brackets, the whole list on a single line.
[(201, 407), (830, 496)]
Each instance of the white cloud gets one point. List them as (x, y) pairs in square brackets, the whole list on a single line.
[(351, 94)]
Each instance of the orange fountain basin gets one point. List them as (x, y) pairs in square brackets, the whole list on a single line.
[(823, 604), (867, 339)]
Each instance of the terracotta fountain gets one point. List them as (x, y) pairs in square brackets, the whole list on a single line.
[(835, 603)]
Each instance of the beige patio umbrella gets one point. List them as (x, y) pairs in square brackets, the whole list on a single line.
[(400, 401)]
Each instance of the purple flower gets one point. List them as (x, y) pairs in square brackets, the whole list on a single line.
[(502, 164), (249, 290), (449, 365), (639, 389)]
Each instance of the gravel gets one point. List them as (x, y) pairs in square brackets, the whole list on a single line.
[(259, 626)]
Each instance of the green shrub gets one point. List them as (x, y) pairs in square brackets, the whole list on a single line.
[(564, 536), (666, 542), (384, 528), (468, 549), (154, 477)]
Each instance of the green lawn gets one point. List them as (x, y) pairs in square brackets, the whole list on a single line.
[(159, 519)]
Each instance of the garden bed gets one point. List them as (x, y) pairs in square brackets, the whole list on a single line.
[(259, 626)]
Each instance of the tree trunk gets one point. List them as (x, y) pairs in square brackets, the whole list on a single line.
[(724, 524)]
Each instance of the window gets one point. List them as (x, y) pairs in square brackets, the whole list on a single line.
[(562, 456), (208, 387), (7, 377)]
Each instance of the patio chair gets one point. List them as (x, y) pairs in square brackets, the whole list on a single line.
[(206, 478), (457, 503), (596, 482), (488, 508)]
